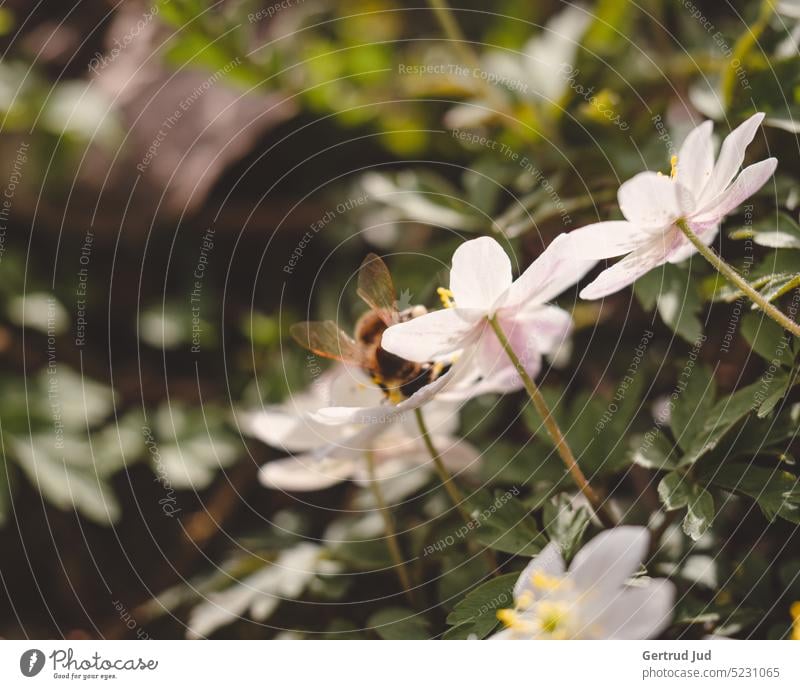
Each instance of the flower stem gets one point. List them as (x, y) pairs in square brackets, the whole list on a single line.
[(391, 537), (728, 272), (449, 484), (554, 430), (444, 15), (456, 496), (741, 48)]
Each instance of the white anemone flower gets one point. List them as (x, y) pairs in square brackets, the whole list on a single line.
[(699, 191), (324, 453), (595, 598), (482, 287)]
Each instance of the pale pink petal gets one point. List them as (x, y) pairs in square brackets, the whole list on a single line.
[(606, 562), (640, 611), (548, 562), (609, 239), (480, 273), (650, 200), (549, 326), (492, 358), (626, 271), (749, 181), (435, 334), (305, 472), (557, 268), (684, 248), (731, 156), (696, 158)]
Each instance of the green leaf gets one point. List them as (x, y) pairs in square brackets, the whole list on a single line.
[(504, 524), (565, 524), (722, 417), (672, 291), (674, 490), (397, 624), (692, 406), (783, 234), (700, 513), (477, 613), (766, 338), (654, 452), (777, 492)]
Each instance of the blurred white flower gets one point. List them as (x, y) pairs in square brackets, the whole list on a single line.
[(330, 448), (594, 599), (536, 73), (699, 191), (261, 592), (482, 287)]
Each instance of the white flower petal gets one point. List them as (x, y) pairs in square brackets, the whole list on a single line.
[(685, 248), (749, 181), (492, 358), (550, 327), (626, 271), (433, 335), (305, 472), (606, 562), (480, 273), (696, 158), (731, 156), (650, 200), (278, 427), (609, 239), (557, 268), (635, 612), (548, 562)]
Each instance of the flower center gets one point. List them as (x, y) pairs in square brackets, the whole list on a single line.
[(446, 296), (673, 167), (543, 618)]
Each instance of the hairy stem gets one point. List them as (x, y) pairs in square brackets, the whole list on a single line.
[(391, 537), (732, 276), (554, 430)]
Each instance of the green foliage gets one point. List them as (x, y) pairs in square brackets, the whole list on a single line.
[(477, 613)]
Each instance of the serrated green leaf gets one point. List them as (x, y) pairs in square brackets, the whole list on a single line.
[(776, 491), (699, 514), (654, 452), (766, 338), (674, 490), (505, 524), (780, 233), (722, 417), (692, 406), (565, 524), (479, 609)]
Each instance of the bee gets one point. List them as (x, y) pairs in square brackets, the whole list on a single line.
[(397, 377)]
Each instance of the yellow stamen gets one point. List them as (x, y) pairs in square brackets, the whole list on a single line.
[(524, 600), (545, 582), (552, 616), (794, 611), (673, 162), (508, 617), (446, 296)]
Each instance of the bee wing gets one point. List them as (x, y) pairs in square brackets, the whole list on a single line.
[(375, 286), (326, 339)]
